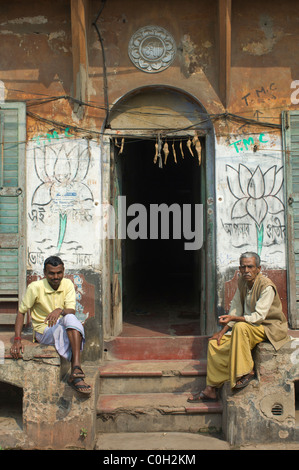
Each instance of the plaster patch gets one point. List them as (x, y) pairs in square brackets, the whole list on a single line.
[(2, 92), (190, 56), (268, 401), (283, 434), (28, 19), (56, 35), (271, 37), (6, 32)]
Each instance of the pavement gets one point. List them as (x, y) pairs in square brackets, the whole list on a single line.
[(178, 441)]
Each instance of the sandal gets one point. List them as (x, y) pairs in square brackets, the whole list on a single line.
[(244, 381), (201, 396), (80, 375), (82, 388)]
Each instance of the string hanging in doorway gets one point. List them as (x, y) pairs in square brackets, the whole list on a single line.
[(121, 146), (193, 144), (194, 147)]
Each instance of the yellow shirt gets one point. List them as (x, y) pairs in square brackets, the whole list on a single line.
[(41, 299)]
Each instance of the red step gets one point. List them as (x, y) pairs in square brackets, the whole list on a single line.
[(157, 348), (167, 403), (156, 368)]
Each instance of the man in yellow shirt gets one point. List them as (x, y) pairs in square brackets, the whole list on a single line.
[(52, 302)]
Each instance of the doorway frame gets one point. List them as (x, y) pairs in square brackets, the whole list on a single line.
[(208, 321)]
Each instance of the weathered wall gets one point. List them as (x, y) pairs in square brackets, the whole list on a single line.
[(64, 152), (269, 401), (63, 182), (53, 416), (249, 160)]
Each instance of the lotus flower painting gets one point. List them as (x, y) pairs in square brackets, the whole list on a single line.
[(257, 195), (62, 170)]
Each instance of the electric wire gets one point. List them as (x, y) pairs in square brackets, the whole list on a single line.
[(105, 80)]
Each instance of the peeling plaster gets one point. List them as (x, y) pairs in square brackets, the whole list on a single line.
[(32, 20), (57, 35), (271, 36), (2, 92), (194, 59)]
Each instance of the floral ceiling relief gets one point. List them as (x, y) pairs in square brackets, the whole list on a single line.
[(257, 195)]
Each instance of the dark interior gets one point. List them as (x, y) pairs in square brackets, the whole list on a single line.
[(159, 271)]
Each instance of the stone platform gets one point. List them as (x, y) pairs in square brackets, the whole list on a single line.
[(267, 409), (52, 414)]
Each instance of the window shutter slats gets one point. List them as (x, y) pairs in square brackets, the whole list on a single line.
[(12, 208)]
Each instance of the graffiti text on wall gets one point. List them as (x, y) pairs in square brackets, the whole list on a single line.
[(260, 94), (241, 145), (44, 139)]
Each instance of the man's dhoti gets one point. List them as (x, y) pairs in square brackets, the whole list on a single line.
[(57, 335), (232, 358)]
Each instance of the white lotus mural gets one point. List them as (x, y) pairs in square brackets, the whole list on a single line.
[(257, 194), (62, 170)]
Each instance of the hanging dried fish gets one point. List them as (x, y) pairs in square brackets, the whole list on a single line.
[(197, 146), (198, 150), (157, 152), (189, 146), (166, 152), (122, 146), (181, 148), (174, 152)]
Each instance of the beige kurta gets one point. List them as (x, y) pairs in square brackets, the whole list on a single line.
[(261, 307), (264, 320)]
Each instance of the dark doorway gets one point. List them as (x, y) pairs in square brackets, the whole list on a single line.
[(11, 406), (161, 279)]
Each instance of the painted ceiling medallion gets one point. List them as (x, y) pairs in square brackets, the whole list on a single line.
[(152, 49)]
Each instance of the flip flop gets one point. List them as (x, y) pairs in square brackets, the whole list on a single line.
[(200, 397), (244, 381), (74, 383), (80, 375)]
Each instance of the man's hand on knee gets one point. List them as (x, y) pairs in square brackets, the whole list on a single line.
[(53, 317)]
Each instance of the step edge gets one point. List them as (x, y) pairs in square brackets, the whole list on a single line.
[(177, 372), (203, 407), (162, 336), (171, 368)]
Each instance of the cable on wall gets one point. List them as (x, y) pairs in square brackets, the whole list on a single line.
[(105, 84)]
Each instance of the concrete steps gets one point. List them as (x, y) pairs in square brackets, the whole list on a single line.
[(156, 347), (145, 383), (152, 412), (155, 376)]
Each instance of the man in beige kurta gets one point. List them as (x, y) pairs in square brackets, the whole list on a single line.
[(255, 315)]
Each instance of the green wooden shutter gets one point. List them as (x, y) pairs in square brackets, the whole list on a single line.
[(290, 122), (12, 208)]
